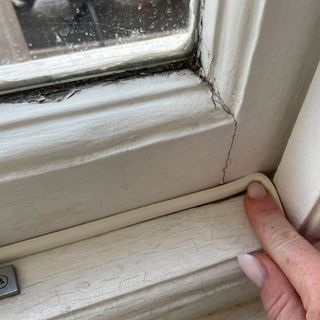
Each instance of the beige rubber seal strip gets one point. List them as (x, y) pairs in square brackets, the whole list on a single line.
[(128, 218)]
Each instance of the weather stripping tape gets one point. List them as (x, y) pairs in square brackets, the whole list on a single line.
[(128, 218)]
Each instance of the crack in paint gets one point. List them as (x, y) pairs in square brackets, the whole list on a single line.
[(217, 99)]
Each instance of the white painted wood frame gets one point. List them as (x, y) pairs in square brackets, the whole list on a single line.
[(261, 59), (298, 175), (119, 146)]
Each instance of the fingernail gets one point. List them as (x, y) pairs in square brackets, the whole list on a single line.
[(253, 268), (256, 191)]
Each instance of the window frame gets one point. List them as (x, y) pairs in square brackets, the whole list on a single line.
[(257, 76), (220, 129), (251, 79)]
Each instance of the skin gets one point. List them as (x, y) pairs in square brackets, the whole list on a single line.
[(291, 288)]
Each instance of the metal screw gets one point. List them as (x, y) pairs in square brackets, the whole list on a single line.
[(3, 281)]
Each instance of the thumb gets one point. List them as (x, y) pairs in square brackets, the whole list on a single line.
[(279, 298)]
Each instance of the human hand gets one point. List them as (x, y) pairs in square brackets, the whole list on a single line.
[(288, 274)]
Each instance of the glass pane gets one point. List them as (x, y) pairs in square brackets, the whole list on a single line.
[(53, 27), (46, 41)]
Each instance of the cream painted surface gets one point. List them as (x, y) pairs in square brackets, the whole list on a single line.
[(174, 267), (265, 54), (298, 175), (106, 150)]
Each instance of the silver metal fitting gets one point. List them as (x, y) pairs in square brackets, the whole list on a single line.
[(8, 282)]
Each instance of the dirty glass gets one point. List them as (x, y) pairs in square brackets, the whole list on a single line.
[(55, 27)]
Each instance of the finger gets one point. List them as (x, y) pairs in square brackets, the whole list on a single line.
[(279, 298), (295, 256)]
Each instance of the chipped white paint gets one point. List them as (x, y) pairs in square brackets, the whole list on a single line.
[(174, 267), (298, 175)]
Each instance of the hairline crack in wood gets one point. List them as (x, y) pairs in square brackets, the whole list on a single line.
[(217, 99)]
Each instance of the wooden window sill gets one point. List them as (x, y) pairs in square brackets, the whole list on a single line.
[(175, 267)]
